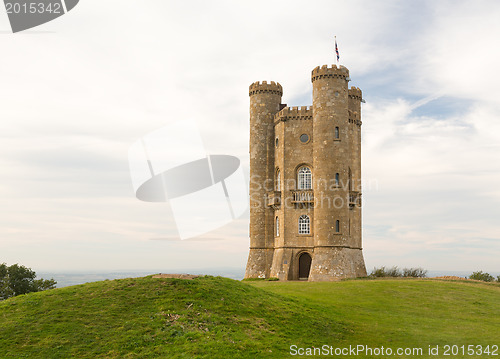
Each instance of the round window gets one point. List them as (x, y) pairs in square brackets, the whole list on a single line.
[(276, 142), (304, 138)]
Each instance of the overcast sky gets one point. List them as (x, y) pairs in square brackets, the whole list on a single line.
[(77, 92)]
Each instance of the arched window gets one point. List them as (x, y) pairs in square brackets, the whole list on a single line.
[(304, 225), (278, 180), (337, 226), (337, 132), (277, 227), (304, 178), (337, 179)]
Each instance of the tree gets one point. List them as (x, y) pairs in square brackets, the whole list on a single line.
[(486, 277), (18, 279), (5, 290)]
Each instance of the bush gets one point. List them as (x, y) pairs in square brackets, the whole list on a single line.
[(377, 272), (415, 272), (485, 277), (498, 278), (385, 272), (395, 272)]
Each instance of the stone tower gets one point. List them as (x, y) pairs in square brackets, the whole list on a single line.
[(305, 181)]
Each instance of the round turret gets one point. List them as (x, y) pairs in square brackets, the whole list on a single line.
[(329, 72), (265, 100), (355, 94), (264, 87), (331, 145)]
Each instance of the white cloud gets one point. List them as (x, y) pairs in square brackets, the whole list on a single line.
[(76, 98), (437, 181)]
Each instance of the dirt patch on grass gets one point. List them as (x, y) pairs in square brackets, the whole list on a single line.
[(452, 277), (178, 276)]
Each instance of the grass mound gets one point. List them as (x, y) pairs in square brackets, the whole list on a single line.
[(214, 317), (150, 318)]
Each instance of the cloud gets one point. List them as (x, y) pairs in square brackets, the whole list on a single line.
[(436, 178), (74, 100)]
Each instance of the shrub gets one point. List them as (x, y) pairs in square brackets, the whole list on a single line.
[(498, 278), (485, 277), (385, 272), (415, 272), (396, 272), (377, 272)]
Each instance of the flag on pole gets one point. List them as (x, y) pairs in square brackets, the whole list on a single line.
[(337, 49)]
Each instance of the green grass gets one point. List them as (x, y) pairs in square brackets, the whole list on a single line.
[(214, 317), (402, 313)]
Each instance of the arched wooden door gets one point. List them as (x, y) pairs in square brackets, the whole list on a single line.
[(304, 265)]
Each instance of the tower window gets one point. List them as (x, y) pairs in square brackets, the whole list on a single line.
[(350, 179), (337, 132), (278, 180), (277, 227), (304, 225), (337, 226), (277, 141), (304, 178), (337, 179), (304, 138)]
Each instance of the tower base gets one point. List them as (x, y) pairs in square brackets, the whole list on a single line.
[(259, 263), (282, 267), (333, 263)]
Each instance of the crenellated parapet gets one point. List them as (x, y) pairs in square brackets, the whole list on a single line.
[(355, 93), (265, 87), (294, 113), (329, 72)]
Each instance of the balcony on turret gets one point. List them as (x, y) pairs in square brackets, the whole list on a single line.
[(303, 196), (354, 199), (274, 199)]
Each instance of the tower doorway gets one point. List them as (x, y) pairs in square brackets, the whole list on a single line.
[(304, 266)]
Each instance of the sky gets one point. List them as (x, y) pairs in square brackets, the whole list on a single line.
[(79, 91)]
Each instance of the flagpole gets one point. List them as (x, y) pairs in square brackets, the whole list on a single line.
[(336, 52)]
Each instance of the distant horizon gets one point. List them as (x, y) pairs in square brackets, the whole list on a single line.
[(68, 278)]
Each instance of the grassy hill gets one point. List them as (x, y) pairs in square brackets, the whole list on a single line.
[(214, 317)]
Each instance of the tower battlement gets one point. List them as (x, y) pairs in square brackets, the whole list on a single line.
[(326, 71), (355, 93), (264, 86), (294, 113)]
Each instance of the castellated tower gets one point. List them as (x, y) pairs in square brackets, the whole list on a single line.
[(265, 100), (305, 186)]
